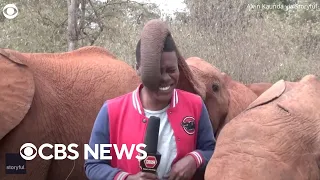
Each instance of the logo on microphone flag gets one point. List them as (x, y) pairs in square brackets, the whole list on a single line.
[(150, 162)]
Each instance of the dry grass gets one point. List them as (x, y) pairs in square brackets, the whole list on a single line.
[(251, 46), (243, 44)]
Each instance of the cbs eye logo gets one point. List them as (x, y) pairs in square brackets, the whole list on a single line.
[(28, 151), (10, 11)]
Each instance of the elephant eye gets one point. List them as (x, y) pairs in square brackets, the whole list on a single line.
[(215, 87)]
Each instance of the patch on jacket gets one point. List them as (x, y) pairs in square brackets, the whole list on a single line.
[(188, 125)]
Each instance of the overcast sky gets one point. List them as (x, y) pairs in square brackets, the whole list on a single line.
[(168, 6)]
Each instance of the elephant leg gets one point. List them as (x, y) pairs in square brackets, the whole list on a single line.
[(11, 143)]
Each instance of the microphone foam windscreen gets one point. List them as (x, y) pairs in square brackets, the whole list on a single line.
[(151, 137)]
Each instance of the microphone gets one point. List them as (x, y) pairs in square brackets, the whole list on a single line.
[(152, 161)]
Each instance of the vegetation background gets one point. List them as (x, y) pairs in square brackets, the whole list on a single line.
[(251, 40)]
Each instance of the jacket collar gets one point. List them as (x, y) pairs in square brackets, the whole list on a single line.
[(138, 105)]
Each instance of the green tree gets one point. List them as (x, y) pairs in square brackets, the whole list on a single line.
[(41, 26)]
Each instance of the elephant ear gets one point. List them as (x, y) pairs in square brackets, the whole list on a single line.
[(269, 95), (16, 90), (303, 98)]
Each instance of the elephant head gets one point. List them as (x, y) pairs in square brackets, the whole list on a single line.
[(276, 137), (225, 98), (217, 96), (240, 98), (54, 98)]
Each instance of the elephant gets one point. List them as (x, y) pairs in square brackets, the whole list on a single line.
[(276, 137), (54, 98), (230, 97), (259, 88)]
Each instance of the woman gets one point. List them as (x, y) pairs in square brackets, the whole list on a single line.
[(186, 141)]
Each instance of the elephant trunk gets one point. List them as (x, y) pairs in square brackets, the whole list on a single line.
[(153, 37)]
